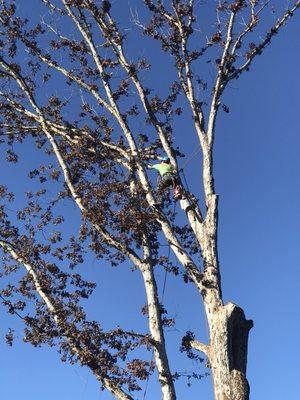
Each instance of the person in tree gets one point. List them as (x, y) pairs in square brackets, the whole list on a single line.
[(168, 176)]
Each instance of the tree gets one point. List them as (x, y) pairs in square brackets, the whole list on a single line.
[(88, 126)]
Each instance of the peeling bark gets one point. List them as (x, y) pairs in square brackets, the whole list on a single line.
[(228, 352)]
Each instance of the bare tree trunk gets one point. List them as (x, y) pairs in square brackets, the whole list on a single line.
[(157, 334), (228, 352), (228, 327)]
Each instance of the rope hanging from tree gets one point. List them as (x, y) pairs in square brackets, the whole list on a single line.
[(162, 298)]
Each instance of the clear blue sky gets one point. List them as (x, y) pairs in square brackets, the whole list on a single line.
[(257, 177)]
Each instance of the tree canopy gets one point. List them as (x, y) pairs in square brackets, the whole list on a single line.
[(78, 96)]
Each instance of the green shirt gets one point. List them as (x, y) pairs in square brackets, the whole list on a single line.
[(163, 168)]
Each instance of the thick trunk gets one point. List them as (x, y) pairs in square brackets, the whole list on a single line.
[(228, 352)]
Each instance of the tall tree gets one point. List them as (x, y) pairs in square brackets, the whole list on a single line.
[(70, 86)]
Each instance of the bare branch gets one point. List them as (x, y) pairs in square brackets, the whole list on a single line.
[(219, 85), (189, 87), (74, 78), (249, 26), (260, 47), (195, 344), (119, 52)]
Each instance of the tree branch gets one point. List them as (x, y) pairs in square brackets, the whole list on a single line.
[(119, 52), (104, 233), (189, 87), (178, 249), (259, 48), (115, 389), (249, 26), (219, 85), (195, 344), (155, 324), (63, 131)]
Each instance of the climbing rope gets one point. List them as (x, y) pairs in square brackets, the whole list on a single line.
[(189, 159), (181, 170), (168, 258), (187, 192), (146, 387), (191, 156), (165, 278), (185, 180)]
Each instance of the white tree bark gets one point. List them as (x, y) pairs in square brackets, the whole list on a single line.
[(110, 385), (157, 334), (228, 328)]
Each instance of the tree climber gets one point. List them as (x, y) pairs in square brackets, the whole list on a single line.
[(168, 177)]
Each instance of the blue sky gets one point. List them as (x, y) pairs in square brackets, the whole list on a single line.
[(257, 177)]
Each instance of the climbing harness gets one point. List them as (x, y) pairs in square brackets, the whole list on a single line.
[(177, 192)]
